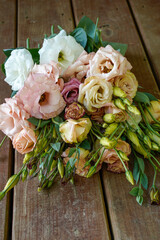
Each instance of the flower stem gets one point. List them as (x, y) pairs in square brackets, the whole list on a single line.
[(121, 159), (55, 122), (111, 136), (27, 43), (99, 158), (95, 134), (3, 140), (154, 178)]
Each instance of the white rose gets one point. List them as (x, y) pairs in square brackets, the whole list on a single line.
[(17, 68), (61, 49)]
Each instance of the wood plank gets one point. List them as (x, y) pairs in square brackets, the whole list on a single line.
[(63, 212), (147, 16), (129, 221), (7, 33)]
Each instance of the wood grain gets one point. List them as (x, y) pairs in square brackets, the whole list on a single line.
[(147, 16), (7, 33), (64, 212), (129, 221)]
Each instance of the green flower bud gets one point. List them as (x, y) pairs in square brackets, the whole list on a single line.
[(2, 194), (140, 132), (155, 196), (109, 144), (50, 183), (126, 101), (123, 156), (34, 167), (109, 118), (118, 102), (60, 168), (134, 109), (155, 146), (24, 174), (140, 150), (133, 137), (40, 145), (118, 92), (72, 180), (153, 136), (111, 128), (129, 177), (39, 189), (45, 183), (54, 135), (54, 164), (91, 171), (12, 181), (104, 125), (27, 157), (147, 141)]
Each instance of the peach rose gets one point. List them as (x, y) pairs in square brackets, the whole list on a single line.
[(80, 170), (95, 93), (40, 97), (128, 83), (108, 63), (25, 140), (80, 67), (154, 108), (120, 115), (13, 118)]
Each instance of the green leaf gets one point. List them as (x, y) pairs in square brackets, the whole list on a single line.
[(141, 164), (141, 97), (140, 193), (72, 161), (80, 35), (139, 199), (35, 122), (150, 96), (56, 146), (71, 151), (121, 47), (85, 144), (136, 170), (88, 25), (134, 191), (58, 119), (144, 181), (3, 68), (52, 35), (13, 93)]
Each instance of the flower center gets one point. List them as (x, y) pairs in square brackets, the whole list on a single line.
[(43, 98), (60, 57)]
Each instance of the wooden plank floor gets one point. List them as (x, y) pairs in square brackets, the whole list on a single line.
[(98, 208)]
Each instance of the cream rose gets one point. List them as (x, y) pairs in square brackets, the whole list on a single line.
[(108, 63), (25, 140), (128, 83), (154, 108), (73, 131), (94, 93)]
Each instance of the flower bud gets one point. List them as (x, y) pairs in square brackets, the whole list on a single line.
[(109, 118), (27, 157), (118, 92), (108, 143), (118, 102), (49, 184), (133, 137), (2, 194), (140, 132), (60, 168), (153, 136), (91, 171), (24, 174), (154, 146), (34, 167), (45, 183), (40, 145), (111, 128), (147, 141), (54, 135), (126, 101), (140, 150), (39, 189), (129, 177), (134, 109), (104, 125), (12, 181), (155, 196), (53, 165), (72, 180), (123, 156)]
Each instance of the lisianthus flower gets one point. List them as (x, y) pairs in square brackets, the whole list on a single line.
[(128, 83), (61, 49), (40, 97), (154, 109), (97, 115), (17, 67), (74, 131), (80, 170), (71, 90), (108, 63), (94, 93), (25, 140), (74, 111), (117, 167), (80, 67), (120, 115), (13, 118)]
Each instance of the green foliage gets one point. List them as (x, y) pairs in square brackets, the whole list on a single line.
[(80, 35), (56, 146), (142, 98), (85, 144), (35, 122)]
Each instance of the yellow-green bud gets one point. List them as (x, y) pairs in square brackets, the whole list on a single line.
[(27, 157), (155, 146), (54, 133), (45, 184), (24, 174), (134, 110), (109, 118), (60, 168), (118, 102), (123, 156), (108, 143), (111, 128), (91, 171), (40, 145), (118, 92), (133, 137), (49, 184), (147, 141), (140, 150), (12, 181), (54, 164), (34, 167), (72, 180), (140, 132), (155, 196), (126, 101), (153, 136), (2, 194), (104, 125), (129, 177), (39, 189)]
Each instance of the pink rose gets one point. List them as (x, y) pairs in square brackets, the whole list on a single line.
[(80, 67), (108, 63), (51, 71), (71, 90), (40, 97), (120, 115), (13, 118), (25, 140)]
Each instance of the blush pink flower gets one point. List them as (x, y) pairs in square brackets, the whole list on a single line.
[(25, 140), (80, 67), (40, 97), (108, 63), (117, 167), (71, 90), (13, 118)]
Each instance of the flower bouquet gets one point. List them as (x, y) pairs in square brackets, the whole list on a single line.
[(75, 106)]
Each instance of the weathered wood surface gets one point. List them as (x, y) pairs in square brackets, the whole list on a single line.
[(7, 33), (64, 212), (147, 16), (129, 221)]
